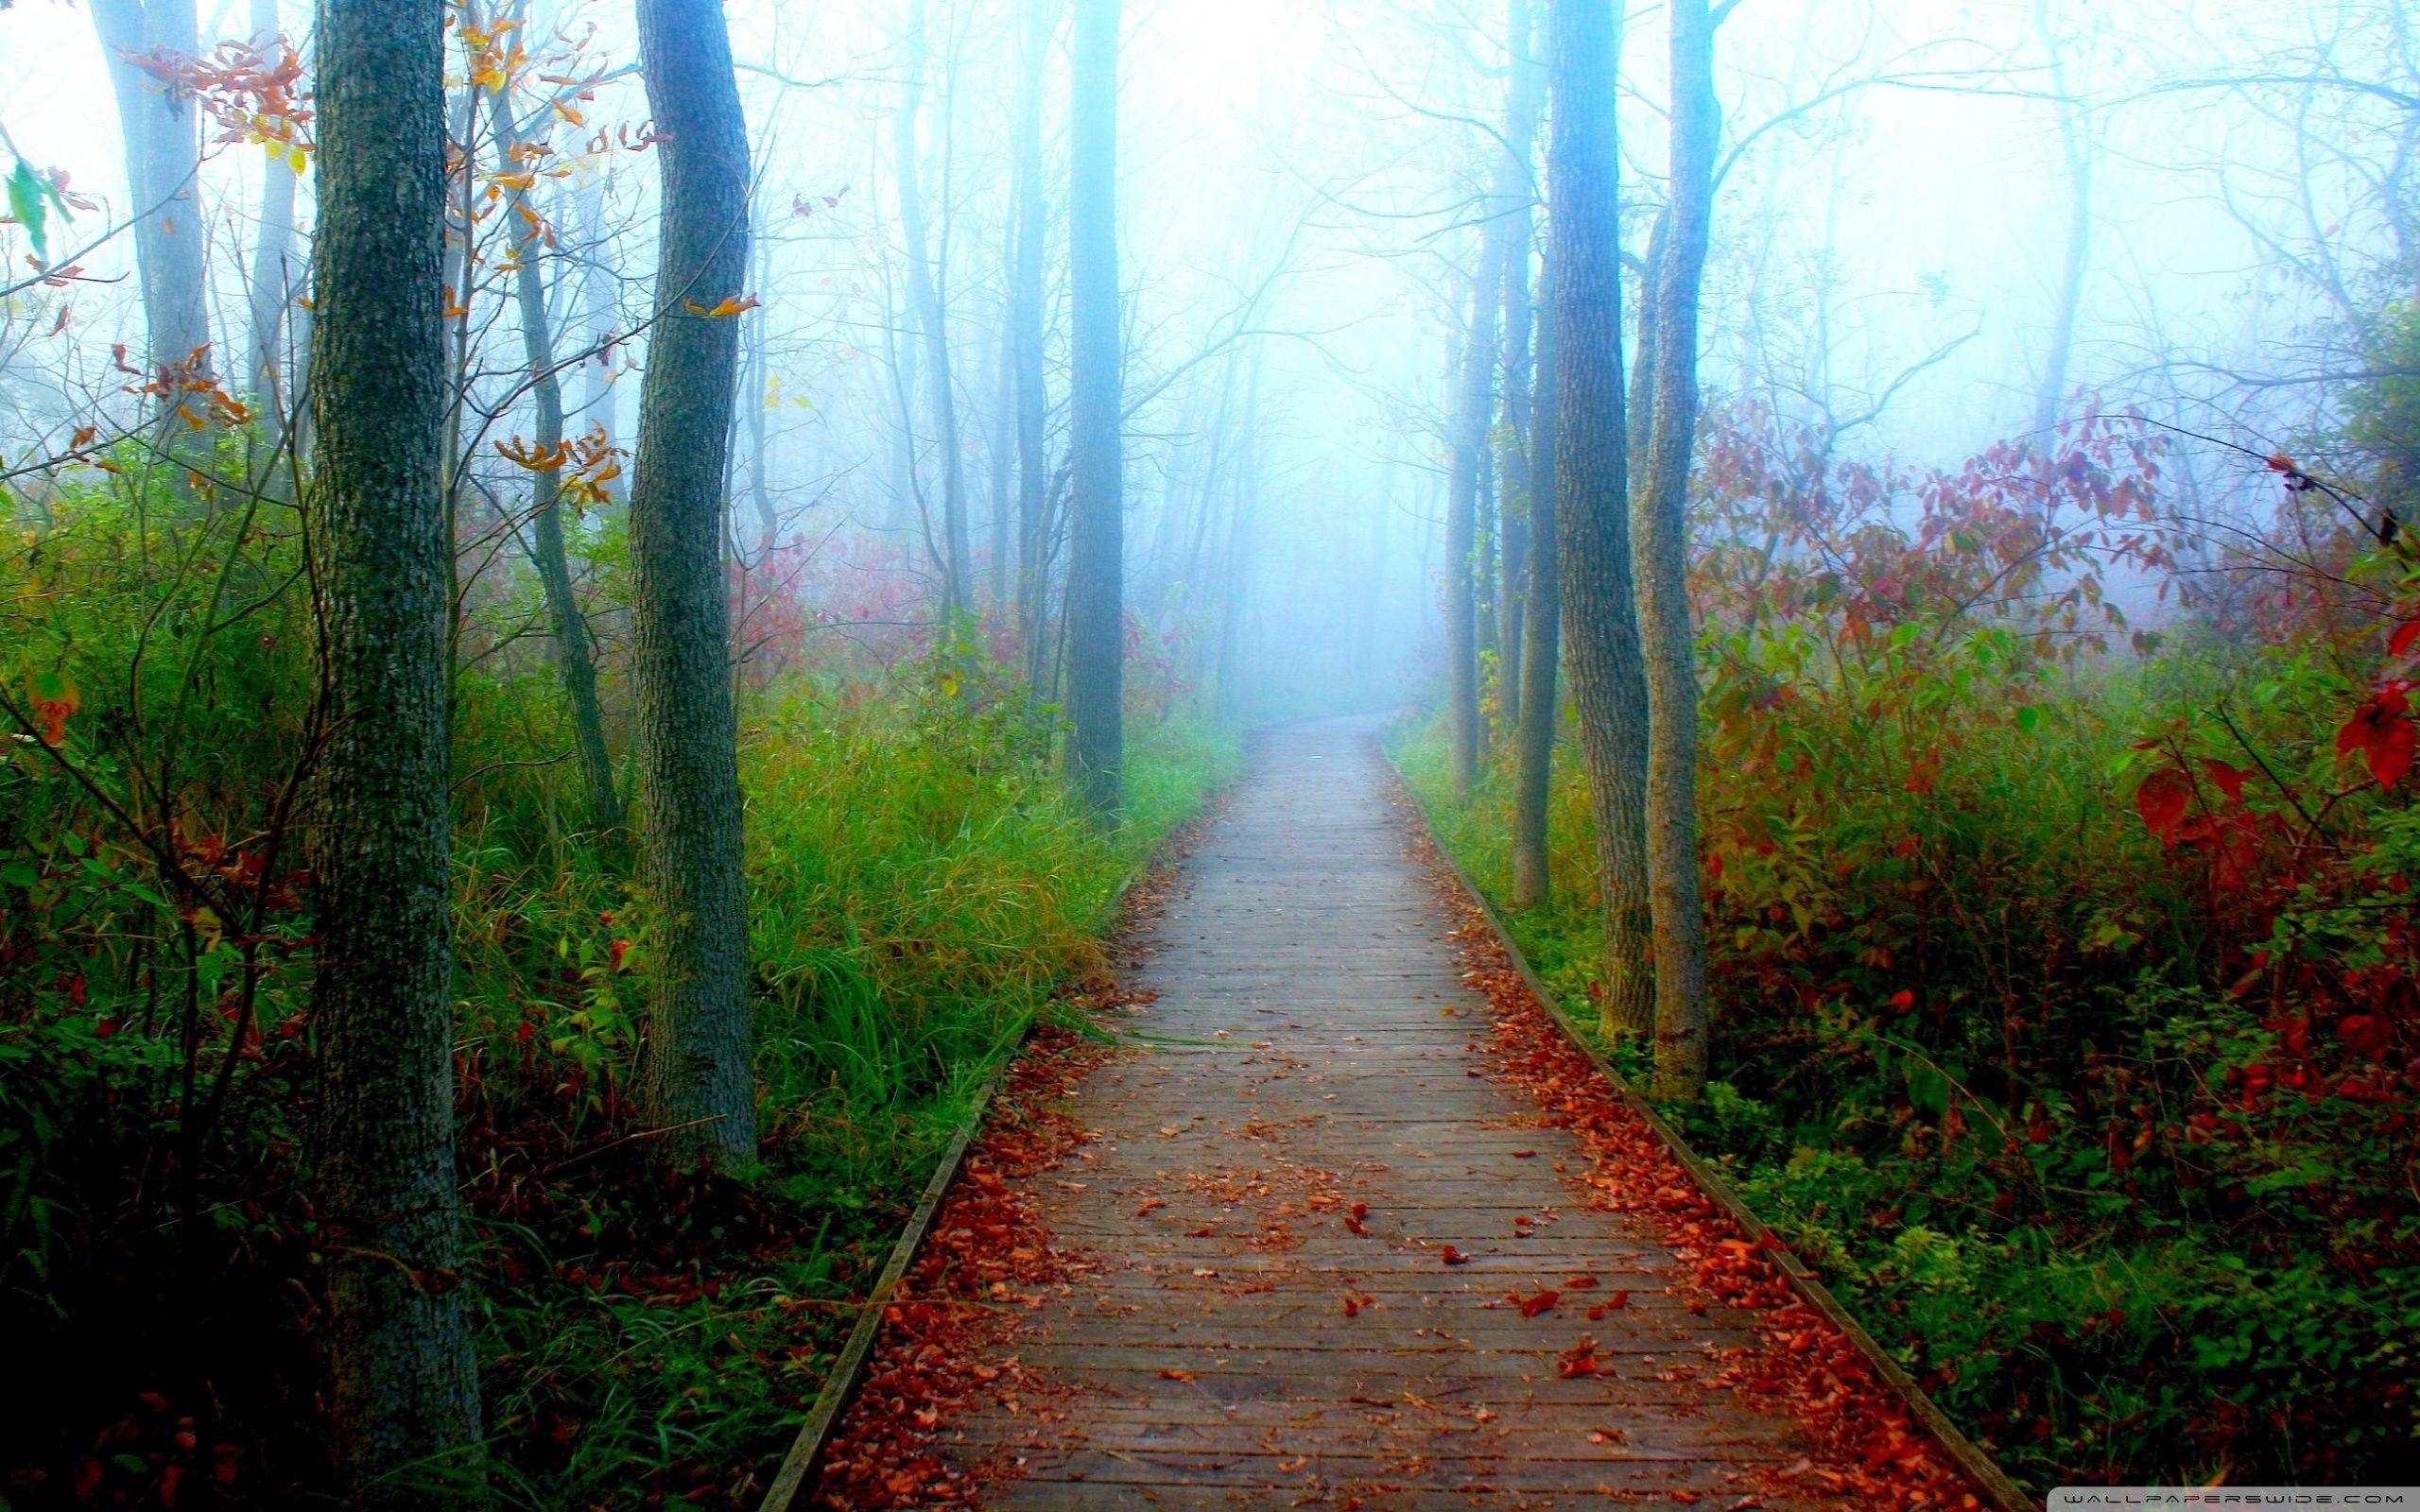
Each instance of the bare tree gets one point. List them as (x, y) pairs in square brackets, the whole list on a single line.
[(574, 660), (2076, 147), (924, 292), (1025, 311), (698, 1076), (398, 1340), (275, 278), (1541, 629), (1475, 403), (1591, 485), (1096, 569), (163, 133)]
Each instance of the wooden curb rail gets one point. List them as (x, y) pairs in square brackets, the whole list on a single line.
[(1991, 1480), (840, 1386)]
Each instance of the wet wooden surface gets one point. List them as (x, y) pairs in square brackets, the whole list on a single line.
[(1234, 1342)]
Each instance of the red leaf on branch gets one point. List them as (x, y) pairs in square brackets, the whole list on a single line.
[(2382, 733), (2229, 780), (2162, 801), (2404, 635)]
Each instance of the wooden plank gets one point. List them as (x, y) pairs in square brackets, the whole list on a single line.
[(1969, 1457)]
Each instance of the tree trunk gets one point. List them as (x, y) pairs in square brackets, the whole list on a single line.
[(924, 293), (1660, 525), (1516, 198), (163, 166), (1472, 409), (405, 1381), (698, 1072), (1024, 320), (1542, 629), (1004, 441), (1095, 565), (760, 443), (1591, 485), (274, 276), (574, 661)]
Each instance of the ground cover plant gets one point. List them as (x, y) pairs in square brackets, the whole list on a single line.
[(921, 888), (2061, 975)]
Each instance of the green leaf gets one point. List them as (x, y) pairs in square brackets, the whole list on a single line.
[(2028, 718), (29, 198)]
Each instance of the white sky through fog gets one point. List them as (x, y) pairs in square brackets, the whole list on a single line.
[(1943, 213)]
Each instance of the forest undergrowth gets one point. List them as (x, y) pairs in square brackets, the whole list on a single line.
[(2062, 978), (921, 888)]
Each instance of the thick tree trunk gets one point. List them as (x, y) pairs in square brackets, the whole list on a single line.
[(1024, 320), (1542, 630), (1096, 564), (698, 1076), (1660, 525), (574, 661), (1591, 485), (1472, 406), (925, 294), (405, 1392), (163, 166)]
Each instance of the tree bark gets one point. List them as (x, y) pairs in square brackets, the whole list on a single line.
[(574, 661), (1095, 565), (1591, 485), (405, 1390), (163, 167), (1542, 629), (699, 1070), (1472, 410), (925, 294), (1024, 319), (1660, 524)]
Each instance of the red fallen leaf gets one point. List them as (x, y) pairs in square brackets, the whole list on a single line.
[(1543, 1303), (1580, 1360), (2162, 801), (1353, 1305), (1353, 1219), (1178, 1375), (1198, 1234), (1579, 1283), (1455, 1257), (2404, 635)]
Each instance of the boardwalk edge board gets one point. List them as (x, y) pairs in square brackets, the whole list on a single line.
[(1991, 1480), (840, 1386)]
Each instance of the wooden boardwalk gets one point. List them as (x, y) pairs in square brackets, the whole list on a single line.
[(1238, 1338)]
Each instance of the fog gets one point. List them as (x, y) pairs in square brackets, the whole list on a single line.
[(1302, 188)]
